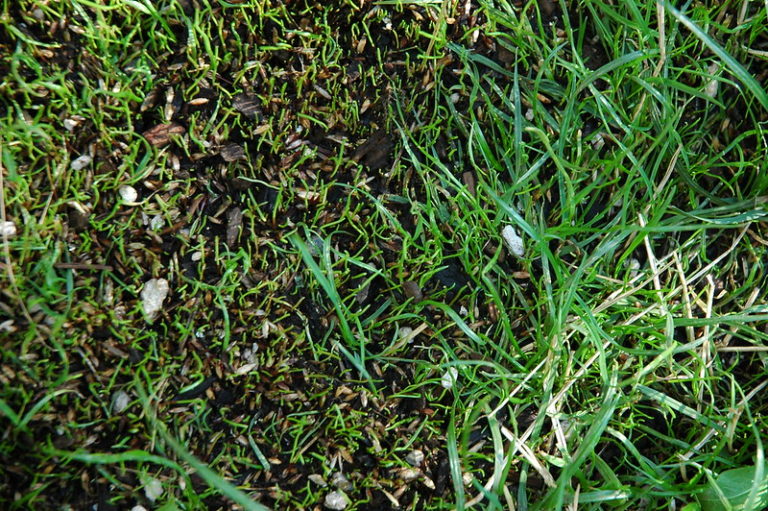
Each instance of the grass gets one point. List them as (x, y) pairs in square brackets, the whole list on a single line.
[(323, 290)]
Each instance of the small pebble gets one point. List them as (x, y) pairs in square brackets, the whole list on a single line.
[(336, 500), (7, 229), (529, 114), (405, 333), (341, 482), (128, 193), (513, 241), (250, 355), (120, 401), (153, 489), (71, 124), (156, 223), (449, 378), (81, 162), (415, 458), (152, 296)]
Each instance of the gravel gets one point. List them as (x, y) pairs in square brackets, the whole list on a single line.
[(415, 458), (513, 242), (336, 500), (449, 378), (128, 194), (152, 296)]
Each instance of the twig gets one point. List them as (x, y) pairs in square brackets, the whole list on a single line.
[(83, 266)]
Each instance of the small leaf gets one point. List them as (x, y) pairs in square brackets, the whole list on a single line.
[(232, 152), (249, 105), (735, 486)]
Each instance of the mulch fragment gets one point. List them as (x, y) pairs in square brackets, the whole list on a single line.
[(161, 134)]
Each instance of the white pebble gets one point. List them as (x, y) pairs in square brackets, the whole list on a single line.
[(405, 333), (341, 482), (8, 229), (415, 458), (156, 223), (81, 162), (449, 378), (120, 402), (153, 489), (250, 354), (529, 114), (336, 500), (128, 193), (513, 241), (152, 296), (71, 124)]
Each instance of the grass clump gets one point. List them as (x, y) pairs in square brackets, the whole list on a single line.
[(324, 190)]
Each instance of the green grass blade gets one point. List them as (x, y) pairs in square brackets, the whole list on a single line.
[(134, 455), (735, 67), (455, 464), (676, 405), (8, 412), (333, 295)]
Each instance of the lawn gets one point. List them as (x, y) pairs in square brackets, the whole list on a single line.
[(370, 255)]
